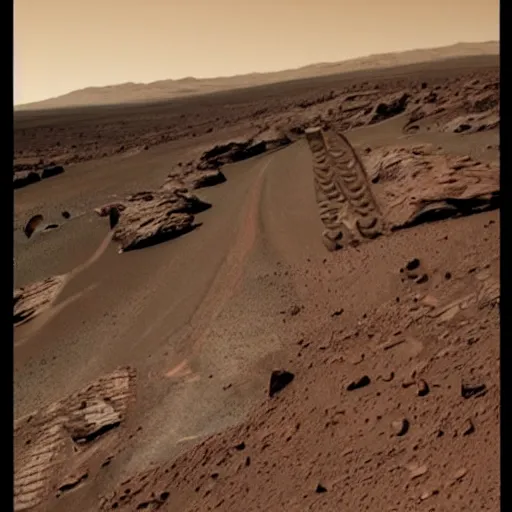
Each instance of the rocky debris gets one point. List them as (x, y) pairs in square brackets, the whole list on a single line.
[(390, 107), (414, 271), (279, 379), (157, 216), (33, 299), (417, 186), (350, 436), (472, 123), (32, 225)]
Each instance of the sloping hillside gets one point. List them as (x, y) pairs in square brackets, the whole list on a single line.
[(167, 89)]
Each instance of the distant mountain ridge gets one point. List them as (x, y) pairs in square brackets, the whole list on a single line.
[(167, 89)]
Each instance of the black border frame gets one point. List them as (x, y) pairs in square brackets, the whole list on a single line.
[(505, 258), (8, 203)]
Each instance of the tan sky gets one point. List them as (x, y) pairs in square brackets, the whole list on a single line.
[(63, 45)]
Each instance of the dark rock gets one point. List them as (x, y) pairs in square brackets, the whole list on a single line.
[(423, 389), (401, 427), (295, 310), (66, 214), (32, 225), (320, 489), (240, 446), (22, 179), (358, 384), (463, 127), (413, 264), (338, 312), (49, 172), (469, 428), (472, 389), (422, 279), (237, 151), (390, 107), (279, 380)]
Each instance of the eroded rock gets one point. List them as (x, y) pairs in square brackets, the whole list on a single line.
[(279, 379), (390, 107), (33, 299), (23, 178), (418, 186), (156, 216)]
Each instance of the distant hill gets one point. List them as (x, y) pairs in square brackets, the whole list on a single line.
[(167, 89)]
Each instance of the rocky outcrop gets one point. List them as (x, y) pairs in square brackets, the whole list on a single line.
[(23, 178), (389, 107), (152, 217), (32, 300), (193, 180), (415, 185), (238, 151)]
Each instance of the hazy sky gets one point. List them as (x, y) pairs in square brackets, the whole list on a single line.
[(62, 45)]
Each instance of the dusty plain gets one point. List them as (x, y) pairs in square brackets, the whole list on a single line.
[(143, 382)]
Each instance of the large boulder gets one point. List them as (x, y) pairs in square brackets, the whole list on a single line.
[(156, 216)]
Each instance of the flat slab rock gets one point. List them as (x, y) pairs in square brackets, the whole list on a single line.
[(23, 178), (415, 185), (152, 217), (33, 299), (237, 151), (56, 440), (193, 179)]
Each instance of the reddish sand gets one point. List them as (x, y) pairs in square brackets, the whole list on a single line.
[(142, 379)]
